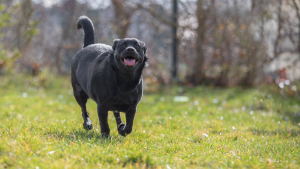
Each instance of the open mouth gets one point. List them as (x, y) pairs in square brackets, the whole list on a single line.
[(129, 60)]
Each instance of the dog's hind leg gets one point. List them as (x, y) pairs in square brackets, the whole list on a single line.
[(120, 124), (81, 98)]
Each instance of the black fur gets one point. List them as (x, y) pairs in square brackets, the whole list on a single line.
[(100, 73), (86, 24)]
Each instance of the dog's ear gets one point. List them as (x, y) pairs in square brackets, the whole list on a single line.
[(115, 43), (144, 47), (145, 51)]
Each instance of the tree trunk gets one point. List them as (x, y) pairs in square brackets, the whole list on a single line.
[(279, 27), (198, 72), (298, 17), (70, 6), (174, 32), (122, 17)]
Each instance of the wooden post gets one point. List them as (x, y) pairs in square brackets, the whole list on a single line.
[(175, 41)]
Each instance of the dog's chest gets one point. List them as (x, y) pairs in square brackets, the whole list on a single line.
[(124, 102)]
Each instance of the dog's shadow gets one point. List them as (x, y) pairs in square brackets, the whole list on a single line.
[(80, 135)]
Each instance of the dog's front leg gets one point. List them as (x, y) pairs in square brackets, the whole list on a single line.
[(102, 114), (124, 130), (120, 124)]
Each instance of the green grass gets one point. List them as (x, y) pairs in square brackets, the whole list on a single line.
[(217, 128)]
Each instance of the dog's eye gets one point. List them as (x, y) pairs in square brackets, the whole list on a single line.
[(137, 45), (124, 45)]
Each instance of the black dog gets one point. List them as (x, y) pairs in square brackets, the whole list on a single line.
[(111, 76)]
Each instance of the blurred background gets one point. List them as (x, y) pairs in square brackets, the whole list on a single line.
[(190, 42)]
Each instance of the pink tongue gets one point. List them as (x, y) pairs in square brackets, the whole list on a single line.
[(129, 62)]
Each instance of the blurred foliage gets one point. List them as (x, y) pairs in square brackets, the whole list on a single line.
[(26, 25), (44, 81), (7, 58), (18, 20), (220, 43)]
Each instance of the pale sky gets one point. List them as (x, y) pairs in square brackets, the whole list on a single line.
[(93, 3)]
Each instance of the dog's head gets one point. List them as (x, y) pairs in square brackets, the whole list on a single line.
[(129, 53)]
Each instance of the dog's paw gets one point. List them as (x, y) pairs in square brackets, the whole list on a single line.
[(105, 135), (87, 125), (121, 129)]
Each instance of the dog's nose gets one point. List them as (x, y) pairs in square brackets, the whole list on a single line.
[(130, 50)]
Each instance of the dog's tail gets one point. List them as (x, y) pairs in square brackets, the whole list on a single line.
[(87, 25)]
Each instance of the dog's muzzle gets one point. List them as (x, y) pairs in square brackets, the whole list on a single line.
[(130, 57)]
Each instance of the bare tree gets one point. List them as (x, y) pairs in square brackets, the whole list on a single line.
[(296, 6), (123, 15), (67, 20)]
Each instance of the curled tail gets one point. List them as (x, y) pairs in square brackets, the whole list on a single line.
[(87, 25)]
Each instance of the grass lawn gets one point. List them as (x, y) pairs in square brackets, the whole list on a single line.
[(215, 128)]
